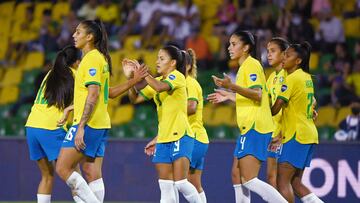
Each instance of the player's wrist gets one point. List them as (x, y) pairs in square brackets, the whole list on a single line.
[(81, 125)]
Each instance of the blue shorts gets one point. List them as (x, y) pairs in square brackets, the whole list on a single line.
[(253, 143), (274, 152), (44, 143), (95, 140), (171, 151), (198, 155), (297, 154)]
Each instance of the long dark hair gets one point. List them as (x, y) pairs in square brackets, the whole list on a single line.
[(248, 39), (303, 51), (178, 56), (59, 89), (281, 42), (97, 29)]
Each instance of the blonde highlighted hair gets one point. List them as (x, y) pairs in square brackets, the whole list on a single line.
[(193, 70)]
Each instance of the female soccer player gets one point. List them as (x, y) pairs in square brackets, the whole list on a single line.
[(43, 135), (174, 141), (87, 137), (253, 115), (299, 134), (195, 107), (275, 54)]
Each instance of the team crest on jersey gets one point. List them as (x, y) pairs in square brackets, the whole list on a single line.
[(253, 77), (172, 77), (274, 81), (92, 71), (281, 79), (283, 88)]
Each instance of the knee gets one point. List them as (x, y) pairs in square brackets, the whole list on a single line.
[(87, 173), (62, 171), (47, 178), (47, 175), (91, 173)]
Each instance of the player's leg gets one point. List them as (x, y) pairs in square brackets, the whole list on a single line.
[(166, 182), (68, 160), (47, 180), (252, 151), (181, 156), (285, 175), (271, 171), (302, 191), (92, 167), (181, 169), (65, 168), (197, 166), (242, 194), (93, 174), (194, 178), (44, 147), (76, 198), (249, 167), (164, 169)]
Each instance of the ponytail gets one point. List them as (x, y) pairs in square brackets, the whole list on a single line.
[(102, 43), (59, 91), (193, 69), (97, 29)]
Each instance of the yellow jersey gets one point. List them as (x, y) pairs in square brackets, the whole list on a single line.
[(196, 122), (93, 69), (274, 83), (297, 120), (171, 108), (251, 114), (41, 115)]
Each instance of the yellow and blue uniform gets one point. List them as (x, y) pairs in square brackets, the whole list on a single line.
[(274, 83), (43, 135), (174, 131), (253, 118), (93, 70), (298, 128), (201, 142)]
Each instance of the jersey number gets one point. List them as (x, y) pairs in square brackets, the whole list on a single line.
[(242, 142), (69, 136), (177, 146)]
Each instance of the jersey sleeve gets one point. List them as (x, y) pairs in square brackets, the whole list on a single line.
[(92, 72), (268, 89), (148, 92), (192, 91), (287, 89), (252, 77), (175, 80)]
